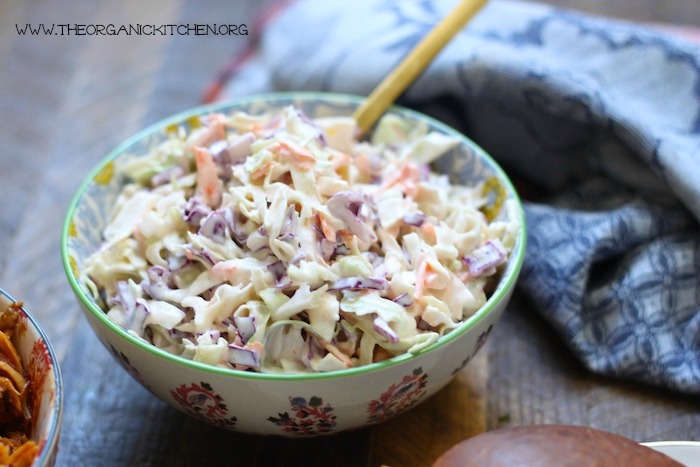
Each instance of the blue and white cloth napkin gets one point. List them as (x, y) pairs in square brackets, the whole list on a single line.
[(601, 116)]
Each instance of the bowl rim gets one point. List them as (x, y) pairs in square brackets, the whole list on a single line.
[(48, 448), (88, 304)]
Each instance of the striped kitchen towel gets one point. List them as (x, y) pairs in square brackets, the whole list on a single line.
[(600, 117)]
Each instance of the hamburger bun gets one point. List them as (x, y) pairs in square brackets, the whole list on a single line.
[(551, 445)]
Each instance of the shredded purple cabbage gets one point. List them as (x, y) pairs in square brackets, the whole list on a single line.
[(123, 297), (423, 172), (203, 254), (482, 259), (239, 148), (213, 334), (313, 349), (320, 136), (415, 219), (165, 176), (383, 329), (245, 325), (289, 226), (346, 205), (158, 282), (177, 262), (237, 234), (242, 356), (404, 299), (136, 320), (360, 283), (228, 153), (195, 211), (278, 270), (327, 248), (220, 225), (372, 257), (215, 226), (341, 249)]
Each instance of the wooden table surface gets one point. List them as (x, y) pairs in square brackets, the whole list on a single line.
[(67, 100)]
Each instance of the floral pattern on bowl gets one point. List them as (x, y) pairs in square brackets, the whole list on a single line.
[(308, 418), (399, 397), (201, 401)]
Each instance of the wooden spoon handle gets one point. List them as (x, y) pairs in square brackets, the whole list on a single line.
[(413, 64)]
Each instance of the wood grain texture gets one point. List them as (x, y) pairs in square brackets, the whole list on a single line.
[(66, 101), (458, 411), (534, 378)]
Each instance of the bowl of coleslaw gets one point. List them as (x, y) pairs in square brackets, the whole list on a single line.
[(257, 266)]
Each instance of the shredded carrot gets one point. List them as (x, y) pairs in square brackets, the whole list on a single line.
[(363, 163), (256, 129), (336, 352), (273, 124), (262, 170), (465, 276), (215, 132), (339, 160), (345, 235), (257, 346), (207, 177), (429, 234), (406, 177), (424, 278), (327, 230), (139, 236), (431, 277), (223, 271), (297, 155), (420, 279)]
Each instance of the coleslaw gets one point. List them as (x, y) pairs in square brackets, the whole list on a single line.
[(278, 243)]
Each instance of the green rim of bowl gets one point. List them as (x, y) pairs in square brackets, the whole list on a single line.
[(505, 285), (48, 448)]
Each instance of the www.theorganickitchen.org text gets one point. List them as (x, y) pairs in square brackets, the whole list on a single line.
[(195, 29)]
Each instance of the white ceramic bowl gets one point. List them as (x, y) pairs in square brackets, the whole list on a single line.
[(44, 378), (287, 404), (685, 452)]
